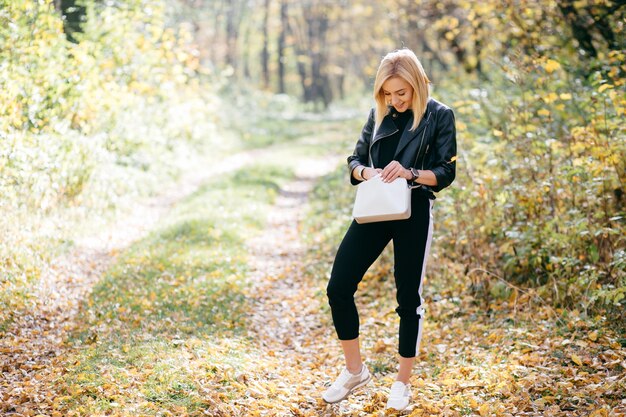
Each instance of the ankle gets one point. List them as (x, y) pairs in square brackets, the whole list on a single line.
[(355, 370)]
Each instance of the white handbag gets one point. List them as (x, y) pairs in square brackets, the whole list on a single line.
[(378, 201)]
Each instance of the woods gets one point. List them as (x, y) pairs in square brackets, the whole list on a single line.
[(341, 42), (144, 143), (539, 87)]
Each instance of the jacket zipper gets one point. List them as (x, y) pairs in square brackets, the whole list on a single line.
[(422, 142), (425, 153), (369, 151)]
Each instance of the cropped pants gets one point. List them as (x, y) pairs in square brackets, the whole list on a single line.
[(361, 245)]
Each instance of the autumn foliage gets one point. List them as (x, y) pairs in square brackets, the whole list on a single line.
[(192, 127), (539, 92)]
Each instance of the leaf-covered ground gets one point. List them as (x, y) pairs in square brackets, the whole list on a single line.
[(221, 311)]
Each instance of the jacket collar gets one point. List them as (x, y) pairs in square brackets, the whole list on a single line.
[(408, 135), (388, 128)]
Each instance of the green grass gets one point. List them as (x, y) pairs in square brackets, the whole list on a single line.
[(78, 182), (270, 129), (164, 331), (173, 301)]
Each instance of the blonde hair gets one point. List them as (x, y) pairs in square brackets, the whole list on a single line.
[(404, 64)]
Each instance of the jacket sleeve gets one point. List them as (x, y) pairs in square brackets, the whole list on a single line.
[(360, 156), (444, 152)]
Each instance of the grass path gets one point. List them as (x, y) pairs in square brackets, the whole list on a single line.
[(29, 347), (209, 301), (286, 319), (32, 350), (43, 347)]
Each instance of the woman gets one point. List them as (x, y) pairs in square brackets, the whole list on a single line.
[(415, 138)]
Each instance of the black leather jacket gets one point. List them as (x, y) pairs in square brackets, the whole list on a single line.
[(431, 146)]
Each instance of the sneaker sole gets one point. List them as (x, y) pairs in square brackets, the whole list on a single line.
[(369, 378), (398, 409)]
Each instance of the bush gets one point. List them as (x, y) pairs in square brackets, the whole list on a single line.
[(86, 126), (540, 196)]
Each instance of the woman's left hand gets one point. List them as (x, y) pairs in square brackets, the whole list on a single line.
[(394, 170)]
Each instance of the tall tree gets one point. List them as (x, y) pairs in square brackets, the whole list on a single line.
[(586, 21), (265, 55), (74, 14), (284, 22)]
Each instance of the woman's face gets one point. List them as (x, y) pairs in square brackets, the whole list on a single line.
[(398, 93)]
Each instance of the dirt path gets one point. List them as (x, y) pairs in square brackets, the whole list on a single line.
[(275, 258), (504, 363), (300, 353)]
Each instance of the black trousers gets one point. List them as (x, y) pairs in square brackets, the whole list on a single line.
[(361, 245)]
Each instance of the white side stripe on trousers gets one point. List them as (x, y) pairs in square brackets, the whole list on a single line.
[(420, 309)]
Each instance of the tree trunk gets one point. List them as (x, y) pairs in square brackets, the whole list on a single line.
[(284, 23), (298, 30), (265, 55), (319, 85), (231, 38), (234, 14), (74, 15), (579, 30), (478, 46), (246, 53)]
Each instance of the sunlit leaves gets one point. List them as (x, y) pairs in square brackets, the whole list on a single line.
[(81, 125), (552, 176), (551, 66), (604, 87)]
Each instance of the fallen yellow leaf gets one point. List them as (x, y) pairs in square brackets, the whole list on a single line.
[(551, 66), (604, 87), (576, 359)]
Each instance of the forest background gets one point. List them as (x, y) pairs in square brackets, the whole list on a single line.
[(103, 102)]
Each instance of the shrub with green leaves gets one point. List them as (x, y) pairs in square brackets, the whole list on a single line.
[(86, 125), (540, 195)]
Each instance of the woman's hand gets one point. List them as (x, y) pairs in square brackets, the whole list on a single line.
[(395, 170), (368, 173)]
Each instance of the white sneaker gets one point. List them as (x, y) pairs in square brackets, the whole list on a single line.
[(345, 384), (399, 396)]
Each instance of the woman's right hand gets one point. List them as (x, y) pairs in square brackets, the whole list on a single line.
[(370, 173)]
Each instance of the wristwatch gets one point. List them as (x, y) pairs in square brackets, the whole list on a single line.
[(415, 174)]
